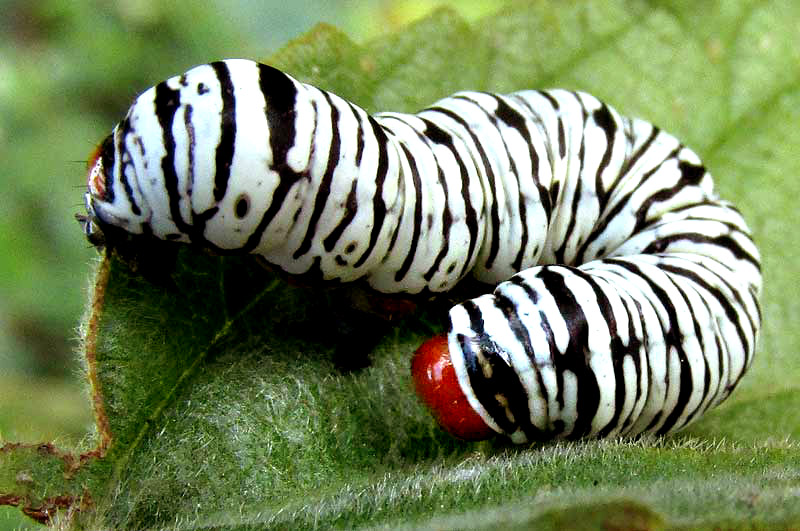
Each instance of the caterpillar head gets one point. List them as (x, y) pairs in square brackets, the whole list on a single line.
[(100, 162), (437, 386), (116, 220), (198, 159)]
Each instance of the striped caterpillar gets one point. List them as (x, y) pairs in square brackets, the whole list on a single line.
[(628, 291)]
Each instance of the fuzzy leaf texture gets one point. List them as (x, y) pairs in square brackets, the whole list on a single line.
[(218, 400)]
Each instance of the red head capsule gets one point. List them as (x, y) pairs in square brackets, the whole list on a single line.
[(97, 178), (437, 385)]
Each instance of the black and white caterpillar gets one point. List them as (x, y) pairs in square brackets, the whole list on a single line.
[(629, 294)]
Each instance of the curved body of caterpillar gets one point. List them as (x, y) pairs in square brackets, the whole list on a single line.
[(634, 302)]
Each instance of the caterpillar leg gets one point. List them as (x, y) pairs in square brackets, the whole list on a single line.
[(355, 334), (356, 320)]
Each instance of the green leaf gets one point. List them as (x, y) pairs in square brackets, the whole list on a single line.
[(219, 402)]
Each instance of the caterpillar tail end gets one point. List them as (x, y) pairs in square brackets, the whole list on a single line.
[(437, 385)]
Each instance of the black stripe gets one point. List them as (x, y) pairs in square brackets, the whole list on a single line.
[(108, 158), (512, 118), (623, 271), (350, 210), (167, 101), (550, 98), (631, 161), (545, 196), (487, 389), (447, 216), (561, 250), (576, 199), (710, 202), (378, 204), (555, 188), (562, 147), (279, 107), (724, 241), (548, 334), (359, 133), (562, 141), (511, 385), (440, 136), (605, 121), (687, 370), (403, 271), (395, 234), (605, 219), (507, 115), (126, 161), (324, 189), (280, 97), (673, 338), (633, 348), (447, 223), (719, 391), (728, 308), (187, 123), (617, 350), (640, 215), (691, 174), (494, 213), (227, 140), (702, 405), (662, 195), (576, 356)]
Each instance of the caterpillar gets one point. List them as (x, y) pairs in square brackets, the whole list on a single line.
[(627, 292)]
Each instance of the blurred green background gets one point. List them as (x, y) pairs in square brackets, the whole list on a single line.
[(68, 72)]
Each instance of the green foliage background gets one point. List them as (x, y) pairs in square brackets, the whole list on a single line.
[(261, 405)]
